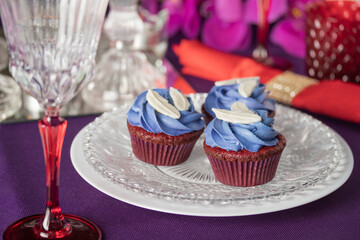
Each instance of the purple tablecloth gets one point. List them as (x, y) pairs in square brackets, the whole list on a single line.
[(22, 193)]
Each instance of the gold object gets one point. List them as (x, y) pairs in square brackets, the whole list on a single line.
[(284, 87)]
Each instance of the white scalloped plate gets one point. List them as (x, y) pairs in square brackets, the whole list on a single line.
[(104, 171)]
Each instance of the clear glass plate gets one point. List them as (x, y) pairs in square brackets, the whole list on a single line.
[(311, 154)]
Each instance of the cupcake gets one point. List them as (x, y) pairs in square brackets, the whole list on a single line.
[(243, 148), (246, 90), (163, 127)]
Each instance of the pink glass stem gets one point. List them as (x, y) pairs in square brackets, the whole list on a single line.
[(260, 53), (52, 130)]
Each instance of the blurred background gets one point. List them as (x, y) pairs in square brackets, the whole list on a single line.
[(318, 39)]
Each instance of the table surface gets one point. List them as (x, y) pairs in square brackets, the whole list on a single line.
[(22, 193)]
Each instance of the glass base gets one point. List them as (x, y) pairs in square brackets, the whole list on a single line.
[(81, 229), (10, 97), (260, 54)]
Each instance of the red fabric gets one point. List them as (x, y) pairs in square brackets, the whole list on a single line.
[(332, 98), (181, 84), (204, 62)]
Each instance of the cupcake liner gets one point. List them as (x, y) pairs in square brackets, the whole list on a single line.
[(161, 154), (245, 174)]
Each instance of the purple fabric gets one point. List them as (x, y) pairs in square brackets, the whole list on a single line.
[(22, 193)]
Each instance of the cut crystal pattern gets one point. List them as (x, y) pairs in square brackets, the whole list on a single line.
[(311, 154)]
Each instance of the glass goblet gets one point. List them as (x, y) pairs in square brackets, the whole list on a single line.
[(52, 47), (123, 71)]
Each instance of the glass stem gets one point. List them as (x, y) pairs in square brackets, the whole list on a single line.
[(263, 24), (260, 53), (52, 130)]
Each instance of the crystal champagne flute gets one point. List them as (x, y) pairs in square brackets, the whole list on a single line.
[(52, 47)]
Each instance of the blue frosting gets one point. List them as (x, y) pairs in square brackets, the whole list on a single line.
[(223, 97), (143, 115), (236, 136)]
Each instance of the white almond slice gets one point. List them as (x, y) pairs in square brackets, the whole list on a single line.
[(162, 105), (180, 101), (235, 80), (239, 106), (226, 82), (246, 88), (236, 116), (240, 80)]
